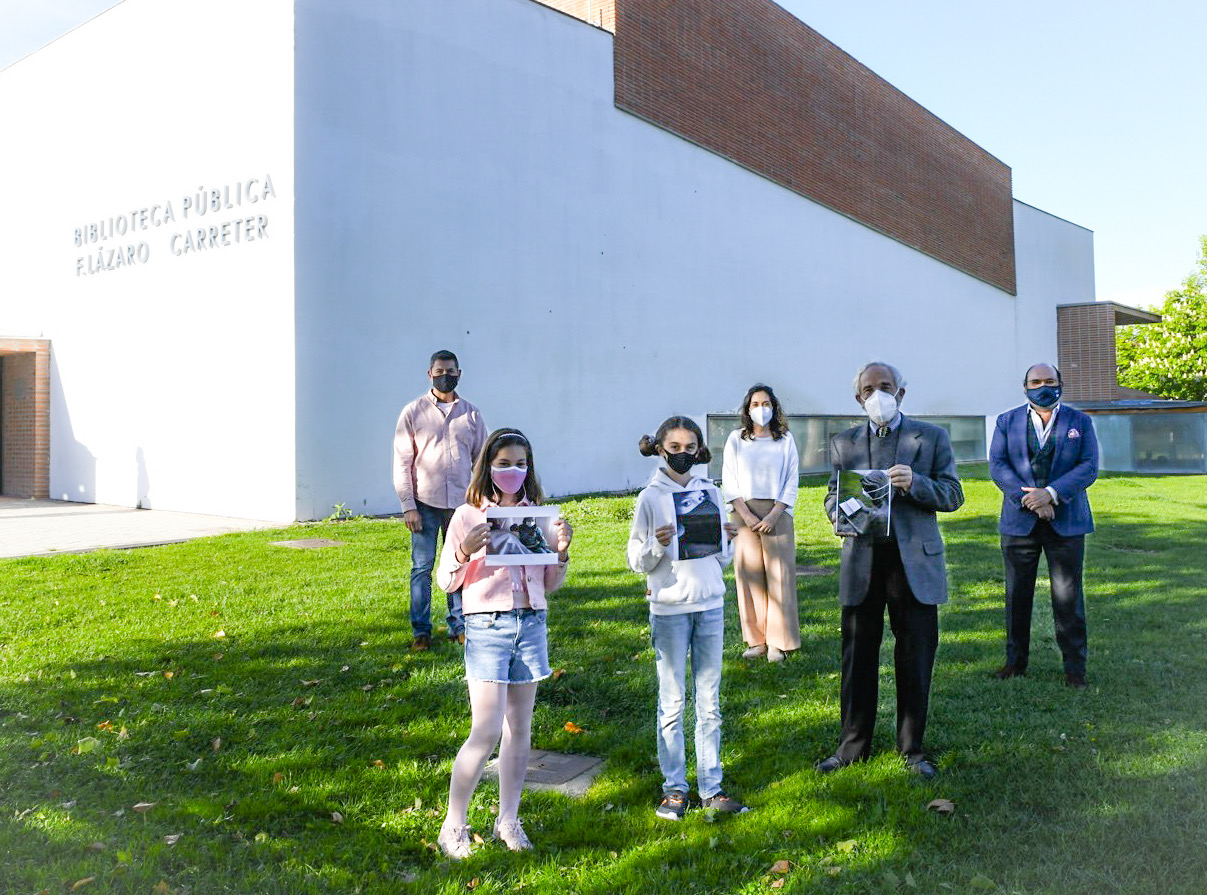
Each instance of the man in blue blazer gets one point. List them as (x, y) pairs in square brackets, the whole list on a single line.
[(1043, 457), (903, 571)]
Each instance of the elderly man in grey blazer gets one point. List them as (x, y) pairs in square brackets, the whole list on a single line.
[(903, 570)]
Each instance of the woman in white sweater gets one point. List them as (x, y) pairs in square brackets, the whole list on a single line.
[(759, 477)]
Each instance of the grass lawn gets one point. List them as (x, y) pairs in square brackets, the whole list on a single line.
[(263, 701)]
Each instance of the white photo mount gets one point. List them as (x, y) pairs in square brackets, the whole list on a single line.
[(522, 536)]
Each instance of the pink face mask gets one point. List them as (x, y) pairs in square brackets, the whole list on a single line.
[(508, 479)]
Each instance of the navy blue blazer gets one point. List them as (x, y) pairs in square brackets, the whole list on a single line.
[(1074, 468)]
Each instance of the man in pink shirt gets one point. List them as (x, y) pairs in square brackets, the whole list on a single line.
[(438, 436)]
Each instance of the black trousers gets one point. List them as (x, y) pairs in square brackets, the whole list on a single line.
[(915, 629), (1066, 557)]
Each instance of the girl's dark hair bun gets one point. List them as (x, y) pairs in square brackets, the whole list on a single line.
[(704, 455), (648, 446)]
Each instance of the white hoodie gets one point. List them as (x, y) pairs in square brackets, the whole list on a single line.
[(680, 586)]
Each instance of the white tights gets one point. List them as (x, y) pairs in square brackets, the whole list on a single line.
[(495, 709)]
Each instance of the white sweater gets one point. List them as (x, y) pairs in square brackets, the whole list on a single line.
[(674, 587), (765, 468)]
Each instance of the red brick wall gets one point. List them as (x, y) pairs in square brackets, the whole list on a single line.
[(597, 12), (25, 417), (747, 80)]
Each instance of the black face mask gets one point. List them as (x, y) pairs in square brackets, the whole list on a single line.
[(680, 463), (445, 382), (1044, 396)]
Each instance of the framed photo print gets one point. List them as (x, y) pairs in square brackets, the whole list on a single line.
[(698, 517), (522, 536)]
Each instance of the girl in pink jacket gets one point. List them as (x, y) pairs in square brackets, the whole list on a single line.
[(506, 648)]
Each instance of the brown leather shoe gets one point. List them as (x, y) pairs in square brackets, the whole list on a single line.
[(1008, 671), (1076, 681), (422, 643)]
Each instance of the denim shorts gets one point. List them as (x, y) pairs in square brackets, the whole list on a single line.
[(506, 647)]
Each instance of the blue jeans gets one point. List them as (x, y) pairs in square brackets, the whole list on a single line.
[(673, 637), (423, 558)]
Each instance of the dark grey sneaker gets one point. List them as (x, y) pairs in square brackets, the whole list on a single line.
[(672, 807), (725, 804)]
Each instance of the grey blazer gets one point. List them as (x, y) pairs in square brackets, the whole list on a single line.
[(926, 449)]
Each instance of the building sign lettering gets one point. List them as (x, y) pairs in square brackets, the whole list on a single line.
[(188, 232)]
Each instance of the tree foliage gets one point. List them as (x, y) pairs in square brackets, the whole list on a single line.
[(1170, 358)]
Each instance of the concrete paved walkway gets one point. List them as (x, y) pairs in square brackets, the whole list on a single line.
[(47, 527)]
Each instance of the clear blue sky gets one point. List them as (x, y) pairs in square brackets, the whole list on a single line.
[(1094, 104)]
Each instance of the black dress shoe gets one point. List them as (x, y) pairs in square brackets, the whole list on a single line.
[(1008, 671), (922, 768), (830, 765), (1076, 681)]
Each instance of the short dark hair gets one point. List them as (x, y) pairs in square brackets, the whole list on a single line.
[(778, 425), (1042, 363), (649, 446), (443, 354)]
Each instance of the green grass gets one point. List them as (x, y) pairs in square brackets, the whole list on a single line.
[(115, 689)]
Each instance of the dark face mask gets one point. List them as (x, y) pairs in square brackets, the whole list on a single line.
[(1044, 397), (680, 463), (445, 382)]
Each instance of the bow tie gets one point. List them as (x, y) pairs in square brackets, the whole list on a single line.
[(883, 431)]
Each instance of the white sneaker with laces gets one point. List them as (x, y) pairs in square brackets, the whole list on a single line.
[(454, 841), (511, 834)]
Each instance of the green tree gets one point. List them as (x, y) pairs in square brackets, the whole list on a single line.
[(1170, 358)]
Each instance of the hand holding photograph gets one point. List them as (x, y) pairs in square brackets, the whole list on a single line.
[(865, 504), (522, 536)]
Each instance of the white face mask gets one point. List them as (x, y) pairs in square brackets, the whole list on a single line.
[(760, 415), (881, 407)]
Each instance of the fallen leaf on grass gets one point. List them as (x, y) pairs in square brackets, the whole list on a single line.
[(144, 807), (143, 673), (216, 743), (847, 845), (942, 806), (68, 805), (336, 817), (302, 702), (572, 727), (169, 675), (96, 846), (367, 687), (780, 867), (123, 734), (86, 745), (218, 635), (980, 881), (172, 838), (778, 884), (278, 777), (317, 680), (162, 888), (345, 668), (379, 763), (474, 883), (105, 725), (193, 765), (217, 657), (478, 839), (558, 673), (80, 883)]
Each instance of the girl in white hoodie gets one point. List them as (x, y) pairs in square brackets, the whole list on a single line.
[(687, 611)]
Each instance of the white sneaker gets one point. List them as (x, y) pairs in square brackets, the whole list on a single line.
[(775, 655), (512, 835), (755, 652), (454, 841)]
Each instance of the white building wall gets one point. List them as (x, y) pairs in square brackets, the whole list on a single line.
[(594, 273), (172, 380)]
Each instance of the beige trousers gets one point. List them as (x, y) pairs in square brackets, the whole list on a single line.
[(764, 569)]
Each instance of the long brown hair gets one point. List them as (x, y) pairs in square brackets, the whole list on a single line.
[(778, 425), (481, 488)]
